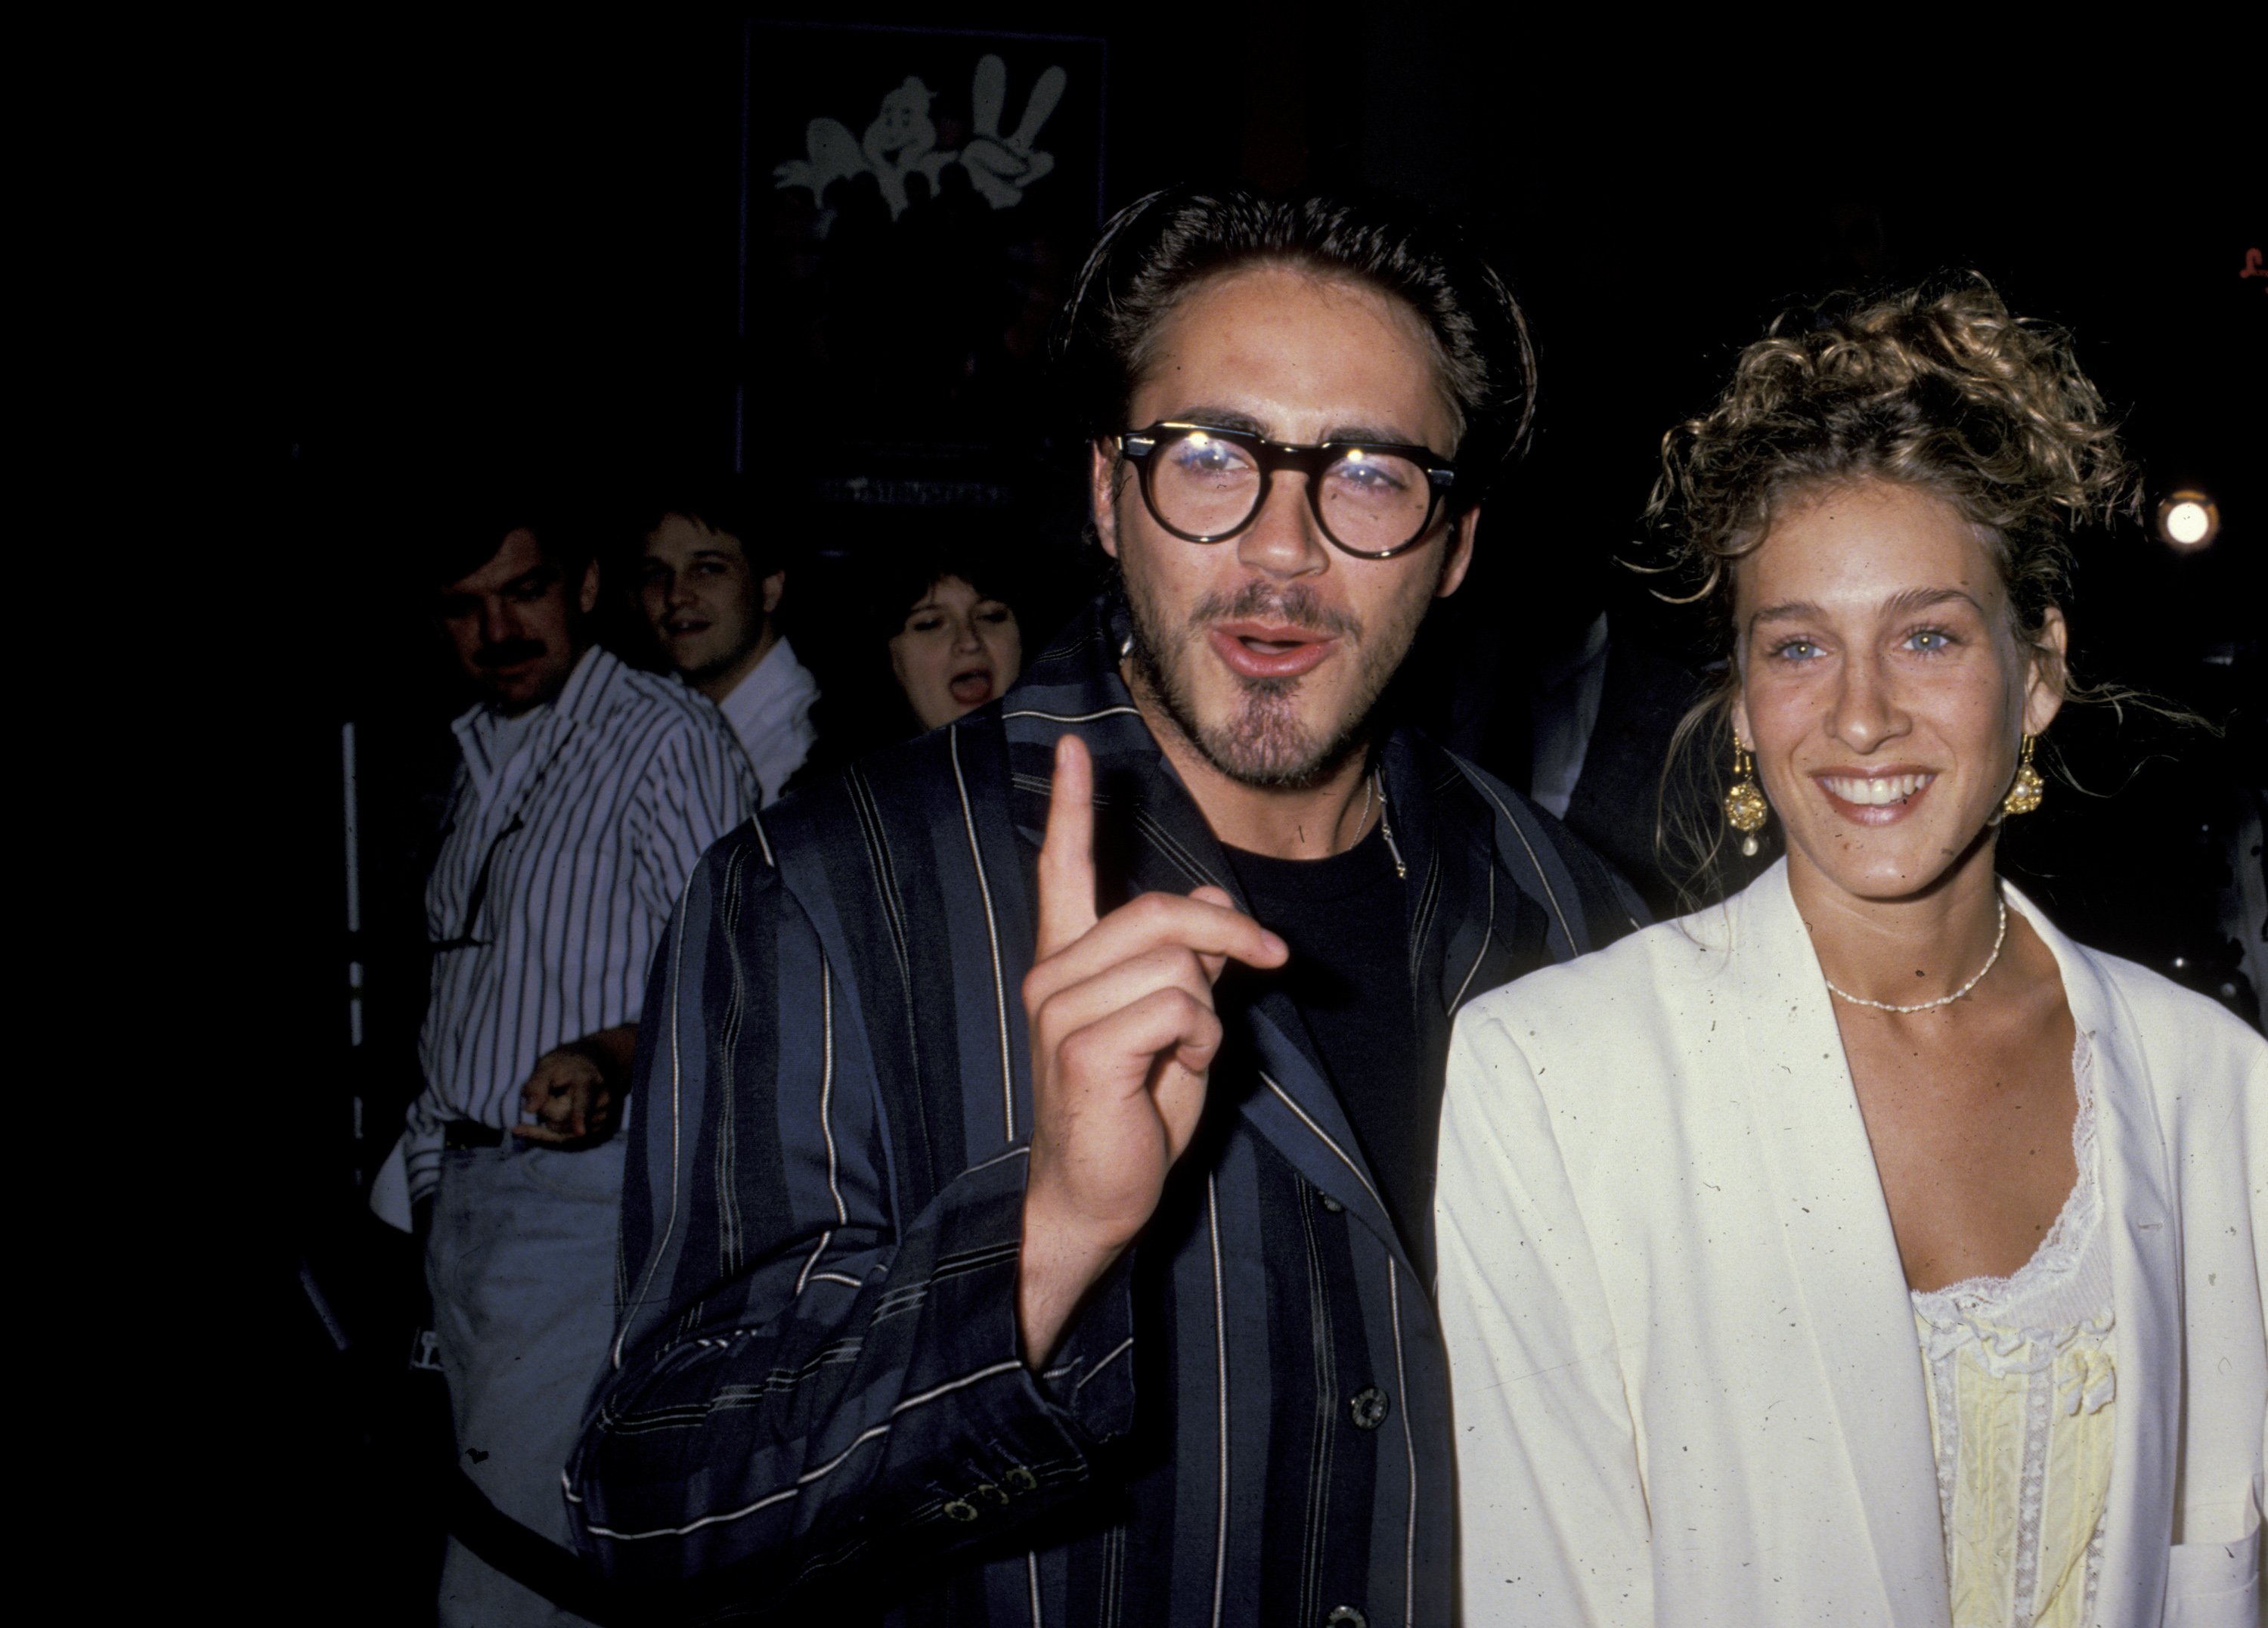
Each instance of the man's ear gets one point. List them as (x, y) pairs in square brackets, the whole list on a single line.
[(588, 597), (1103, 495), (774, 586), (1459, 560)]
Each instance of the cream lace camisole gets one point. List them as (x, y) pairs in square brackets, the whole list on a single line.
[(2020, 1386)]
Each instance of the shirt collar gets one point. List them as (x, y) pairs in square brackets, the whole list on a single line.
[(584, 697), (488, 738), (773, 684)]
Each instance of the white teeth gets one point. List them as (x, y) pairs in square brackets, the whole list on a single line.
[(1876, 793)]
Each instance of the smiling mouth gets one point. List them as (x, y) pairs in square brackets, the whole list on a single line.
[(1876, 791), (681, 627), (1876, 799)]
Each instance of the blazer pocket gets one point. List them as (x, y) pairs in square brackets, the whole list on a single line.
[(2214, 1585)]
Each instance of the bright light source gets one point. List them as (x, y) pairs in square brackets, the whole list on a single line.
[(2188, 519)]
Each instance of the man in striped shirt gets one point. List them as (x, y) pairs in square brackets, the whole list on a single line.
[(586, 794), (1029, 1219)]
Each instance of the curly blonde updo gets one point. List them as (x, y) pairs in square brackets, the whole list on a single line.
[(1940, 388)]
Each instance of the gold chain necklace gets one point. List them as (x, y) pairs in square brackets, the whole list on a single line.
[(1376, 783)]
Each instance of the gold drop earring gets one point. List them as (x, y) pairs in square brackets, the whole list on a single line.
[(1744, 804), (2027, 790)]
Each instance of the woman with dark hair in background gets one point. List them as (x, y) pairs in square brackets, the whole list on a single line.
[(1862, 1250), (928, 638), (954, 642)]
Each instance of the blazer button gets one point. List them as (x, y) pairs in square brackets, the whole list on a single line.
[(991, 1494), (1022, 1479), (961, 1509), (1369, 1408), (1330, 1204), (1346, 1616)]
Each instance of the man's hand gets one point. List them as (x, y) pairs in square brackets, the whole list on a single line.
[(1123, 1034), (571, 1091)]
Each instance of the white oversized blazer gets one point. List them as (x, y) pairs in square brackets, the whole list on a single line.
[(1687, 1383)]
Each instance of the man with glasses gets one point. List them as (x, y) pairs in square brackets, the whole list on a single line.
[(585, 795), (1039, 1226)]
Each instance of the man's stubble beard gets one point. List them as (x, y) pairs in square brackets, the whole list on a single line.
[(1265, 743)]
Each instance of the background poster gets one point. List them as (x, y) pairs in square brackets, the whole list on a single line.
[(916, 204)]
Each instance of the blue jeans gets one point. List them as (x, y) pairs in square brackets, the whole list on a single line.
[(521, 1264)]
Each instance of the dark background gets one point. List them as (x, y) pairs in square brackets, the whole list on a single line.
[(525, 240)]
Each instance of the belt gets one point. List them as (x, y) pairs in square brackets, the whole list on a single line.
[(462, 1134)]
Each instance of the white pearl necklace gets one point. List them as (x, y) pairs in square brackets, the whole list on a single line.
[(1998, 938)]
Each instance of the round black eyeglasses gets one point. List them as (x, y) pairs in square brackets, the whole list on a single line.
[(1373, 499)]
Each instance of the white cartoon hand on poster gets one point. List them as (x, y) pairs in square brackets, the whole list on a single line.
[(903, 141), (1002, 168)]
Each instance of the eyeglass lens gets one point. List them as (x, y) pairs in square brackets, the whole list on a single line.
[(1369, 501)]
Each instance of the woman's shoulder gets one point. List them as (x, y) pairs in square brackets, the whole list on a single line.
[(1647, 980), (2160, 995), (1684, 950), (2204, 1070), (2143, 1005), (2163, 1017)]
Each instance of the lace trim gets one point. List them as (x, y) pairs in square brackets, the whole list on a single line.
[(2060, 1252), (2092, 1575), (2066, 1369), (2090, 1382), (2031, 1497)]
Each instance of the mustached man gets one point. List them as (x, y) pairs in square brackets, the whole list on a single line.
[(583, 798)]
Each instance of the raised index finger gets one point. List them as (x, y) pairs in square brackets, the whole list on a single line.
[(1067, 854)]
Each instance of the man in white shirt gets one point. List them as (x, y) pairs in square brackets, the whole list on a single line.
[(587, 792), (711, 589)]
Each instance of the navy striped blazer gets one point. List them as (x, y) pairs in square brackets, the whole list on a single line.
[(816, 1389)]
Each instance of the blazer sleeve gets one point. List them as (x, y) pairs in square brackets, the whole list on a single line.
[(1550, 1495), (805, 1379)]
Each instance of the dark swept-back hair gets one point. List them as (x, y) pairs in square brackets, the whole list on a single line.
[(1157, 250), (1940, 388)]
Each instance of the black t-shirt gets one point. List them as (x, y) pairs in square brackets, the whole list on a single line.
[(1346, 921)]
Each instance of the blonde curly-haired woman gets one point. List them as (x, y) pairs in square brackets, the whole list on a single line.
[(1863, 1250)]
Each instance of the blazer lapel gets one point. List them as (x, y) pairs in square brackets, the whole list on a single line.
[(1291, 1102), (1841, 1250), (1294, 1108), (2141, 1219), (1150, 836)]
